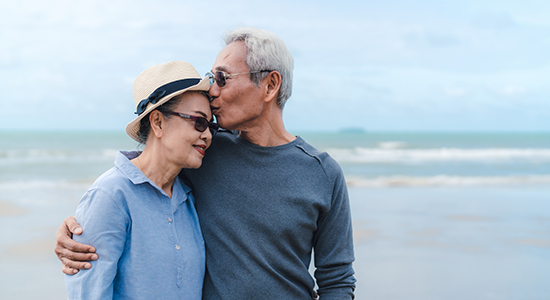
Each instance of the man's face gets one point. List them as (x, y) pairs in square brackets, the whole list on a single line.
[(237, 105)]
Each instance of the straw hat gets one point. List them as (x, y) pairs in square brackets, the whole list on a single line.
[(160, 83)]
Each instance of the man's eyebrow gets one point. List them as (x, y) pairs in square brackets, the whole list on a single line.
[(221, 68)]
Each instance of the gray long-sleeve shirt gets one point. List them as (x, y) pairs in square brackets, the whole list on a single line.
[(262, 210)]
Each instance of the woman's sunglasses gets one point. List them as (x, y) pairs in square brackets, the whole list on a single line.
[(220, 77), (200, 123)]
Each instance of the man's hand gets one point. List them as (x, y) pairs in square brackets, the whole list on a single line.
[(73, 255)]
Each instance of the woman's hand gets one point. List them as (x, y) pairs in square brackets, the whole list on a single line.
[(74, 256)]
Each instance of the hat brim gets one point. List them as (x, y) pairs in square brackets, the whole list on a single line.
[(132, 129)]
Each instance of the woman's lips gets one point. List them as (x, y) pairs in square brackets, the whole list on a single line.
[(200, 149)]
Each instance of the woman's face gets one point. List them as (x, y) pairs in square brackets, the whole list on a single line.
[(185, 145)]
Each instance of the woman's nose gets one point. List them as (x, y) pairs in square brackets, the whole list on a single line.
[(206, 136)]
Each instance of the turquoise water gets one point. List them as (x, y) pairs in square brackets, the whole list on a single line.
[(368, 159), (54, 157), (430, 159)]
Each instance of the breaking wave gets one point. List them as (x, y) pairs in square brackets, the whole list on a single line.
[(446, 180), (410, 156)]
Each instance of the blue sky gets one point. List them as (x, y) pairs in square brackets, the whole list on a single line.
[(377, 65)]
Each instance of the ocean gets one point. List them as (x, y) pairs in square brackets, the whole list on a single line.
[(54, 159), (408, 191), (439, 159)]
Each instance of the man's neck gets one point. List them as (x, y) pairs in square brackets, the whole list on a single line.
[(268, 131)]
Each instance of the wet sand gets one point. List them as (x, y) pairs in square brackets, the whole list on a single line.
[(410, 243), (452, 243), (7, 209)]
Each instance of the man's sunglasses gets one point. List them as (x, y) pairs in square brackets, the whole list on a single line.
[(220, 77), (200, 123)]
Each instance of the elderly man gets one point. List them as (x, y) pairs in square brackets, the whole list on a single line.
[(266, 199)]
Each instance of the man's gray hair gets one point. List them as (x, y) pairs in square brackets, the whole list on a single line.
[(266, 51)]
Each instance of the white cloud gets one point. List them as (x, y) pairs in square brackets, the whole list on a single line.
[(512, 91)]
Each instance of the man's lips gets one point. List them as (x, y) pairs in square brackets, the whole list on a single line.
[(214, 108)]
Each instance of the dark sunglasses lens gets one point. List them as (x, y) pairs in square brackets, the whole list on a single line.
[(201, 124), (220, 78), (213, 128)]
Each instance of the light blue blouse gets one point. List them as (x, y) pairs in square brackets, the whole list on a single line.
[(150, 246)]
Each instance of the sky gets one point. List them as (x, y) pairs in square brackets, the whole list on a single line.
[(394, 65)]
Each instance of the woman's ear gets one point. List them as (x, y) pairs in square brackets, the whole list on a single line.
[(157, 122)]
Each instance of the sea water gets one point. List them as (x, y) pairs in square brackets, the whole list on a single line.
[(58, 159), (479, 200), (430, 159)]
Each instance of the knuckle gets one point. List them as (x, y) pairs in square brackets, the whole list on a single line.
[(60, 254), (71, 264), (69, 247), (64, 261)]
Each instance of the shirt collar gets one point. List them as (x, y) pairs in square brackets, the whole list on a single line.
[(136, 176)]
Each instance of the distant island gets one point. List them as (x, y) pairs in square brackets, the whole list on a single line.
[(352, 130)]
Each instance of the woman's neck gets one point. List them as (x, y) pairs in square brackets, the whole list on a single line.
[(157, 168)]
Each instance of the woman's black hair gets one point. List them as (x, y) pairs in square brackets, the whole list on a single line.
[(165, 109)]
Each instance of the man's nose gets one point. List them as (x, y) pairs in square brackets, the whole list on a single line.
[(214, 91)]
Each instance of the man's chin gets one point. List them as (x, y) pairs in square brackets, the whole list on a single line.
[(219, 119), (223, 124)]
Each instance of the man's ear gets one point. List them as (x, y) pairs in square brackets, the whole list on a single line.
[(157, 122), (273, 85)]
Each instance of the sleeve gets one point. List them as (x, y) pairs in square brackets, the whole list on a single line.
[(333, 246), (104, 225)]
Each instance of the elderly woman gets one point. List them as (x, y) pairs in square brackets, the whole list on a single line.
[(139, 215)]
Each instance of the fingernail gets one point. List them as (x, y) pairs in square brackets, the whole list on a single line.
[(94, 257), (87, 266), (75, 271)]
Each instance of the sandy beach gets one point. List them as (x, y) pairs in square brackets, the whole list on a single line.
[(452, 243), (410, 243)]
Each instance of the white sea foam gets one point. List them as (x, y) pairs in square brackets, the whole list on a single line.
[(26, 185), (49, 156), (445, 180), (392, 145), (392, 155)]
